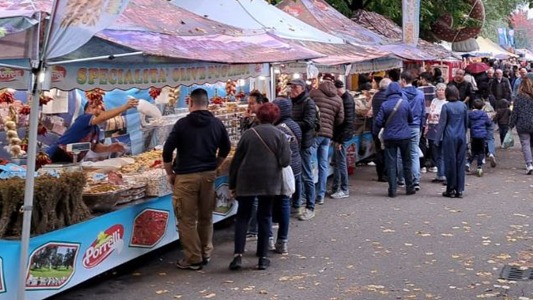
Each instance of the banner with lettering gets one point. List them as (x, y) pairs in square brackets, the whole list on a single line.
[(14, 78), (126, 76), (411, 21), (76, 21)]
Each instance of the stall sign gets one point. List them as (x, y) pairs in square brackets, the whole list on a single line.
[(106, 243), (124, 76), (17, 79), (95, 242)]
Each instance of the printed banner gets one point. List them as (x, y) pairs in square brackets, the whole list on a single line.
[(411, 21), (17, 79), (123, 76), (76, 21)]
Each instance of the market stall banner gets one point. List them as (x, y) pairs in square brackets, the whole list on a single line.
[(121, 76), (411, 21), (81, 251), (76, 21), (17, 79)]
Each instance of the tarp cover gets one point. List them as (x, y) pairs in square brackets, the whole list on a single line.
[(258, 14), (321, 15), (158, 28), (386, 27)]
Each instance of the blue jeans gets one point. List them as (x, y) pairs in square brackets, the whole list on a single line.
[(415, 157), (391, 163), (264, 217), (491, 147), (296, 197), (281, 212), (340, 169), (308, 184), (322, 151), (252, 225)]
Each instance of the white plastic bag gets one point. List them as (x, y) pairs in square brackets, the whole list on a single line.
[(288, 186), (508, 140)]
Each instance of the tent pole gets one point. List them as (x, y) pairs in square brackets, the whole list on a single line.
[(27, 208), (15, 67), (112, 56), (272, 82), (28, 191)]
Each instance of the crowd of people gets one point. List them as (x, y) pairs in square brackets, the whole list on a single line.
[(419, 124)]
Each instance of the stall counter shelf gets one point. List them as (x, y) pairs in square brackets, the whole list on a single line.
[(64, 258)]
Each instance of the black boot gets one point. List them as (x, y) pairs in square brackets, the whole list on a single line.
[(236, 263), (263, 263)]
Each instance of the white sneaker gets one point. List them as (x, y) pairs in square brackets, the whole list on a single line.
[(529, 169), (340, 194), (307, 215), (433, 169), (423, 170), (271, 245)]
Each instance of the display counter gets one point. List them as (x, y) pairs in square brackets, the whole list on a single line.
[(61, 259)]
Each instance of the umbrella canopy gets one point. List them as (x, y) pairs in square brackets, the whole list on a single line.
[(476, 68)]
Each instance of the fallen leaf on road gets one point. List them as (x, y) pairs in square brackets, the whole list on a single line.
[(161, 292), (389, 230), (177, 296), (446, 234), (210, 295), (162, 274), (136, 274)]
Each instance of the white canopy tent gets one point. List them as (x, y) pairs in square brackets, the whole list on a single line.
[(257, 14)]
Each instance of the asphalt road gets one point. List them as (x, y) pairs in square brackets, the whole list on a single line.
[(367, 246)]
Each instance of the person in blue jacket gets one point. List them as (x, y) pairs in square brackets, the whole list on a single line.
[(479, 124), (417, 103), (451, 134), (396, 135)]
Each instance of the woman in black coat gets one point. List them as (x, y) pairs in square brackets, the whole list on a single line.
[(256, 171)]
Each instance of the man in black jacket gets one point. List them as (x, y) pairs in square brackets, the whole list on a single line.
[(500, 87), (197, 138), (341, 134), (304, 113)]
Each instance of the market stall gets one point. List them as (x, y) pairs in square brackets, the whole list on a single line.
[(86, 247)]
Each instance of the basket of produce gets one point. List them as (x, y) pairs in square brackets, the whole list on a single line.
[(102, 197)]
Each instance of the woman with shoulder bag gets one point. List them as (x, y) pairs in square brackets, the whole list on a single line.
[(256, 171)]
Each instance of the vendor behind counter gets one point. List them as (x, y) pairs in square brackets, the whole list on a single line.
[(85, 129)]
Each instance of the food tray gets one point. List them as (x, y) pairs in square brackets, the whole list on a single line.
[(102, 202)]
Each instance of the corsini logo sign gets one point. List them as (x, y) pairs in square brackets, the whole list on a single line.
[(9, 75), (107, 241)]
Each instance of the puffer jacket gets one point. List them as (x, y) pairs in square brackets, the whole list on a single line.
[(398, 127), (345, 131), (522, 115), (479, 123), (291, 129), (330, 105), (304, 114)]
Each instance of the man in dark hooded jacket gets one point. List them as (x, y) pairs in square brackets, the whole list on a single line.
[(304, 114), (415, 97), (202, 144), (395, 117)]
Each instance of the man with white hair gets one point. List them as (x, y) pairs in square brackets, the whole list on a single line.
[(499, 86)]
